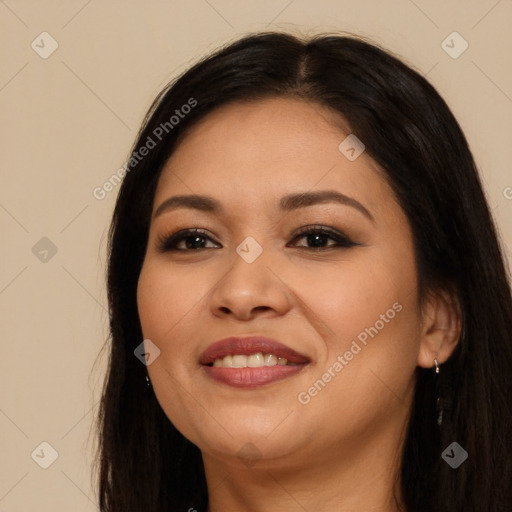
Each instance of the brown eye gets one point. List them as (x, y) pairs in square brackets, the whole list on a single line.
[(317, 238), (193, 240)]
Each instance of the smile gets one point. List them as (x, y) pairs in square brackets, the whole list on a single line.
[(250, 362)]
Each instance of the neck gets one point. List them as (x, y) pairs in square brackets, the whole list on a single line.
[(364, 476)]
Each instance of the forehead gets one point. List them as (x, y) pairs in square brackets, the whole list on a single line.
[(259, 131), (246, 152)]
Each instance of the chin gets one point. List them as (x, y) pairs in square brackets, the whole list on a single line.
[(245, 450)]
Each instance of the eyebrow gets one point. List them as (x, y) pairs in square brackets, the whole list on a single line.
[(287, 203)]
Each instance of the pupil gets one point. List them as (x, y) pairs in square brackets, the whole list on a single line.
[(315, 237), (192, 242)]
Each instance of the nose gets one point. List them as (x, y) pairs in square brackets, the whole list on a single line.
[(248, 290)]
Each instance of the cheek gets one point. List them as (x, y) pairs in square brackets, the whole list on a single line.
[(359, 294), (371, 312), (166, 301), (165, 298)]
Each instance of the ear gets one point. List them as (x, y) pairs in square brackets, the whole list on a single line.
[(441, 328)]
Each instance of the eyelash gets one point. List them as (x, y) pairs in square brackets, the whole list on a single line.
[(168, 243)]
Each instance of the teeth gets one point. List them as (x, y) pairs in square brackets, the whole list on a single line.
[(227, 362), (239, 361), (253, 361), (270, 360)]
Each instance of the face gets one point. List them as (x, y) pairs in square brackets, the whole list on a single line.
[(331, 277)]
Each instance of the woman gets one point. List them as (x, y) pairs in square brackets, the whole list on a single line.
[(309, 306)]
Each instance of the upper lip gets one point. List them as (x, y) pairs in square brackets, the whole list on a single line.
[(249, 345)]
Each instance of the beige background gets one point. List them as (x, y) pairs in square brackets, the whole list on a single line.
[(68, 122)]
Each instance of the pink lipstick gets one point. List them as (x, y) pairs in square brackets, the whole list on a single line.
[(251, 362)]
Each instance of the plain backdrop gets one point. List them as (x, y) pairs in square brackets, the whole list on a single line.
[(68, 120)]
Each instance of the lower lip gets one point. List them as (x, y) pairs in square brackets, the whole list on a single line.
[(251, 377)]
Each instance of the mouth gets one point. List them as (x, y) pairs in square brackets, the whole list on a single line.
[(250, 362)]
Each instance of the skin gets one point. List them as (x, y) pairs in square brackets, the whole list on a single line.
[(341, 450)]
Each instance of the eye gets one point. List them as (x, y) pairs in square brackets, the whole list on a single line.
[(196, 239), (318, 236), (193, 239)]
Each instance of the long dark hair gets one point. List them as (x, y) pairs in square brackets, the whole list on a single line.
[(407, 128)]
